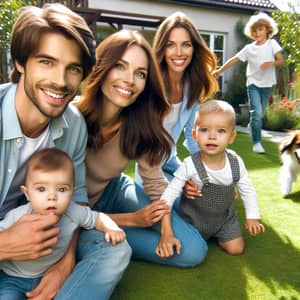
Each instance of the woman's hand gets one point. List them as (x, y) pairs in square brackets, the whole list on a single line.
[(152, 213), (166, 246), (48, 287)]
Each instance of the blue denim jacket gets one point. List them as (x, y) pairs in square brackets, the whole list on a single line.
[(67, 132), (185, 123)]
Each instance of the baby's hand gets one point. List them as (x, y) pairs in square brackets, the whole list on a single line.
[(113, 233), (115, 236), (191, 189), (254, 227)]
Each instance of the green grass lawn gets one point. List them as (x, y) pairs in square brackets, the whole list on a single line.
[(270, 266)]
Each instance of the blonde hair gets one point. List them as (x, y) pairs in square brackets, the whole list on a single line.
[(261, 19), (215, 106)]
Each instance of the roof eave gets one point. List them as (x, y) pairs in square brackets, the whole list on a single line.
[(220, 6)]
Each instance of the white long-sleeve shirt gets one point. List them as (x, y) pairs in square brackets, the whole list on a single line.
[(223, 176)]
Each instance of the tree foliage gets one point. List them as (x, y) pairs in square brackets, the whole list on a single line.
[(289, 30), (8, 11)]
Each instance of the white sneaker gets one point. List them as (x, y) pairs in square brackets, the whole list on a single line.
[(258, 148)]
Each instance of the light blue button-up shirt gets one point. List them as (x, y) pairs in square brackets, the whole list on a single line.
[(67, 132), (185, 124)]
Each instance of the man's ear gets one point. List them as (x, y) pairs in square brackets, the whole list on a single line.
[(19, 67), (25, 191)]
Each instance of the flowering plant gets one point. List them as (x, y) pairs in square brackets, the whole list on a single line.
[(283, 112)]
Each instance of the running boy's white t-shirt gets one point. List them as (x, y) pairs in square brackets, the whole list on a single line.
[(256, 55)]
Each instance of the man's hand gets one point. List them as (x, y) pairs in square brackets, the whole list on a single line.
[(56, 275), (31, 237), (48, 287), (151, 213), (191, 190)]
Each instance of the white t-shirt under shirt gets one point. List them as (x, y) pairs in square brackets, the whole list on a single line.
[(29, 146), (172, 117), (256, 55)]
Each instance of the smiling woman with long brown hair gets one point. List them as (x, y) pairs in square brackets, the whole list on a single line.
[(124, 105)]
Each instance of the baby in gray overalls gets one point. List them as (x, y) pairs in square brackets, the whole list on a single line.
[(216, 170)]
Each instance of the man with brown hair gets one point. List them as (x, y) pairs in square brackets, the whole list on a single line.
[(52, 49)]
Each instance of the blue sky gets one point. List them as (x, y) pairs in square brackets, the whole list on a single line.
[(283, 4)]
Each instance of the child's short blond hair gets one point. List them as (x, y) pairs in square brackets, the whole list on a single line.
[(215, 106), (261, 19)]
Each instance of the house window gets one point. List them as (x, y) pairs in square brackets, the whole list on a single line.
[(216, 42)]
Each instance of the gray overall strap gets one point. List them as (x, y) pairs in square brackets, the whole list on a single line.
[(200, 168), (233, 161), (234, 164)]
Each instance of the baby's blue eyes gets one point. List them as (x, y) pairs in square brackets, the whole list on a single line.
[(43, 189), (204, 130)]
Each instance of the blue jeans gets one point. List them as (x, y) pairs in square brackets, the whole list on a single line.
[(258, 101), (99, 268), (15, 288), (171, 166), (123, 195)]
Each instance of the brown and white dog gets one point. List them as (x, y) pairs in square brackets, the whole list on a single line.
[(290, 157)]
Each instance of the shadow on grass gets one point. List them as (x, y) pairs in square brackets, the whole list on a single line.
[(271, 259), (294, 196), (274, 262)]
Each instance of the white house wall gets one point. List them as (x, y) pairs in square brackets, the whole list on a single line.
[(208, 20)]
